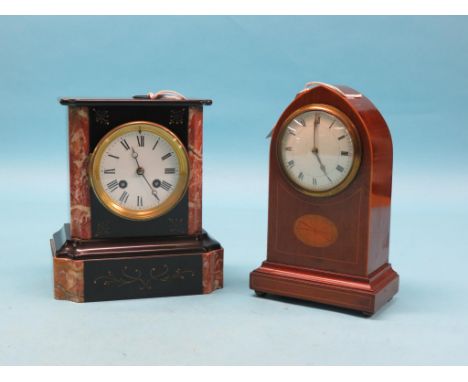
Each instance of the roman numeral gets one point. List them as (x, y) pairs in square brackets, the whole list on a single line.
[(141, 140), (340, 168), (340, 138), (164, 157), (314, 181), (291, 164), (113, 156), (125, 144), (167, 186), (317, 119), (124, 197), (155, 144), (169, 171), (344, 153), (301, 176), (300, 122), (112, 186), (109, 171), (289, 148), (139, 201), (291, 131)]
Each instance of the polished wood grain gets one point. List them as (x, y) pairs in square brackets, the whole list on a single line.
[(360, 213)]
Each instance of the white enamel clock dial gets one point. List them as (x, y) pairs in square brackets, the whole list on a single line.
[(139, 170), (319, 150)]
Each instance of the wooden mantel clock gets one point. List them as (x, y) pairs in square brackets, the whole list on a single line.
[(329, 202), (136, 201)]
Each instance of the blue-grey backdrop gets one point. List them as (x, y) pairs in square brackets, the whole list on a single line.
[(413, 68)]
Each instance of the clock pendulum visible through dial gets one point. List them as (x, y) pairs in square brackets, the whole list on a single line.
[(139, 170)]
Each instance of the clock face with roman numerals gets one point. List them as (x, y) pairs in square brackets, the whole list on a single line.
[(319, 150), (139, 170)]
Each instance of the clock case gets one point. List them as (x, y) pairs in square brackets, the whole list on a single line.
[(100, 256), (353, 272)]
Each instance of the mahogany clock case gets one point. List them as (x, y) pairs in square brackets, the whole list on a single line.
[(101, 256), (352, 270)]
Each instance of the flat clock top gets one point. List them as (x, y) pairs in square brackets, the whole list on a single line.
[(133, 101), (139, 170), (319, 150)]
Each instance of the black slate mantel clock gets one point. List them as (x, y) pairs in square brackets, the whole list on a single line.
[(135, 201)]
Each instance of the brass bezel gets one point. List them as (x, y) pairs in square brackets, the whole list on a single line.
[(356, 147), (170, 202)]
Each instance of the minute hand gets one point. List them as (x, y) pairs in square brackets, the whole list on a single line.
[(316, 124), (153, 191)]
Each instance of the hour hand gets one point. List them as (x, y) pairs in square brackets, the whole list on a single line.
[(322, 166), (153, 191)]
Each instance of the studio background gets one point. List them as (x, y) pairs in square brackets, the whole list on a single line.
[(412, 68)]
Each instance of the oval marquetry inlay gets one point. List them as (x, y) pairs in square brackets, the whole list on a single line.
[(315, 230)]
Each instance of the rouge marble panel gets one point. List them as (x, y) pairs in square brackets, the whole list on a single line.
[(68, 279), (80, 205), (195, 149), (212, 270)]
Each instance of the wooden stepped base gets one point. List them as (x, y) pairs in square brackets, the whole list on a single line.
[(364, 294)]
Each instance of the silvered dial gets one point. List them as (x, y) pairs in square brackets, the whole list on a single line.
[(317, 150)]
